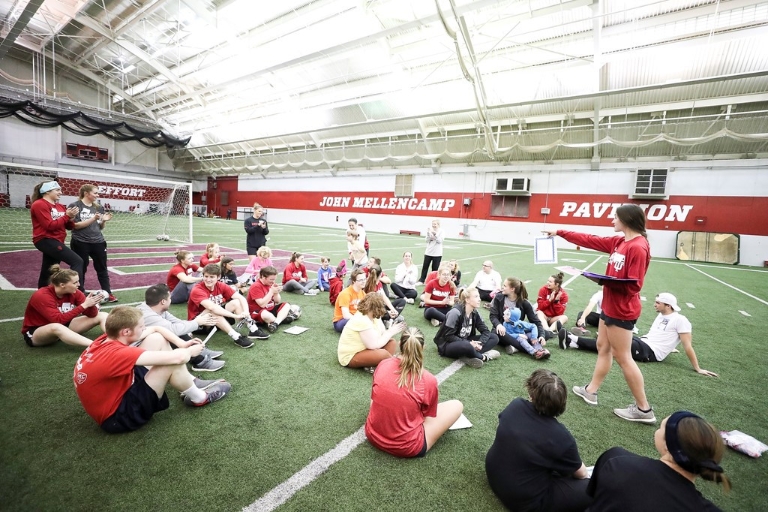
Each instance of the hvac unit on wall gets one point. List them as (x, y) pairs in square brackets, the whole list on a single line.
[(513, 186)]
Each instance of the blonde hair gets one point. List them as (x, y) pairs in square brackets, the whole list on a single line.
[(122, 317), (465, 293), (411, 357), (257, 206), (209, 248), (264, 252)]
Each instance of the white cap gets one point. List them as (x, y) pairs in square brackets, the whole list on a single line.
[(669, 299)]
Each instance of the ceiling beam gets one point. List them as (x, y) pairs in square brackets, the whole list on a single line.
[(20, 24)]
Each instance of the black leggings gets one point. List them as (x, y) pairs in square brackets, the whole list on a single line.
[(434, 260), (403, 293), (56, 252), (97, 251), (436, 313), (463, 347)]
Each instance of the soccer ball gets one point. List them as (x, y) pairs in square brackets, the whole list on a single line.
[(163, 237), (295, 311), (102, 293)]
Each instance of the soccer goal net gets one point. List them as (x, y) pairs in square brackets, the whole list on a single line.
[(142, 208)]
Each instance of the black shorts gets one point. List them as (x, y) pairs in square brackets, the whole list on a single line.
[(251, 250), (28, 336), (136, 408), (628, 325), (423, 452), (275, 310)]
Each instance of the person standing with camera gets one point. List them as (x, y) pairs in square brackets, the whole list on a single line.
[(257, 229)]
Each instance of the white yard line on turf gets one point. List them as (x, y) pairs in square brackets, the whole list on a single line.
[(284, 491), (113, 305), (5, 284), (758, 299)]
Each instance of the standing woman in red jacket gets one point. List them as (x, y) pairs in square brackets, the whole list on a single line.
[(630, 257), (50, 222)]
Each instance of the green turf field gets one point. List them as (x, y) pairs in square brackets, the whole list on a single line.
[(292, 402)]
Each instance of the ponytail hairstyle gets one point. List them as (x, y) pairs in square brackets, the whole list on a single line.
[(224, 262), (373, 279), (36, 192), (181, 255), (209, 249), (88, 187), (464, 294), (633, 217), (411, 357), (60, 276), (519, 287), (696, 446), (295, 256), (454, 266), (558, 280)]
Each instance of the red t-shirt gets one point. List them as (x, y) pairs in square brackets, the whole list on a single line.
[(258, 290), (395, 421), (628, 260), (177, 269), (294, 272), (438, 292), (204, 260), (44, 308), (220, 294), (49, 221), (548, 307), (103, 374)]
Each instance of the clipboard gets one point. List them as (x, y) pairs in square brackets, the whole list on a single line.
[(599, 278)]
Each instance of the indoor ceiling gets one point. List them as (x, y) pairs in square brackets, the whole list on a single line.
[(270, 87)]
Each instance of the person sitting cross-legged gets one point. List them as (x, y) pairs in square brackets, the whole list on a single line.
[(364, 341), (157, 301), (222, 302), (114, 384), (264, 303), (669, 329)]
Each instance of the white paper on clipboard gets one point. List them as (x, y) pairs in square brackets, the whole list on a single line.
[(544, 251)]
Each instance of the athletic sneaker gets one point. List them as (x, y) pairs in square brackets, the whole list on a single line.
[(399, 319), (409, 301), (255, 332), (291, 317), (472, 362), (272, 327), (312, 292), (242, 342), (590, 398), (541, 354), (633, 413), (208, 365), (491, 355), (562, 338), (111, 298), (213, 354), (509, 349), (435, 322), (580, 331), (419, 283), (558, 326), (203, 384), (216, 392), (369, 369)]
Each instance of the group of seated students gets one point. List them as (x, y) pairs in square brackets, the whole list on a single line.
[(121, 376)]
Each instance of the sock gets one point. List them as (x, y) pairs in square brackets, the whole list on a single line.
[(234, 334), (196, 394), (643, 410), (573, 340)]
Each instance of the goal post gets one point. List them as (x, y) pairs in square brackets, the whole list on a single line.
[(142, 208)]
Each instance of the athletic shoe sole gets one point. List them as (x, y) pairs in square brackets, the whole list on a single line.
[(580, 391), (240, 342), (647, 421), (562, 337), (258, 336), (472, 362), (214, 369), (212, 394)]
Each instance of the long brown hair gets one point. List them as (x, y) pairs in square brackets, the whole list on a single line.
[(373, 279), (519, 288), (411, 357), (60, 275), (633, 217), (701, 442)]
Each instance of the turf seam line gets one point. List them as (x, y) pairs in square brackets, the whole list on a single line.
[(306, 475), (728, 285)]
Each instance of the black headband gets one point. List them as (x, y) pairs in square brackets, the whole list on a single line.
[(679, 456)]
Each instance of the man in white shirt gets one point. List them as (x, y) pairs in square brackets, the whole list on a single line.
[(487, 281), (155, 312), (589, 317), (669, 329)]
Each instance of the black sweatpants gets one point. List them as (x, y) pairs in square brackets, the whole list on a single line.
[(98, 253), (56, 252)]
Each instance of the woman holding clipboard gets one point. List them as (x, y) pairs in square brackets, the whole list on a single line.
[(627, 265)]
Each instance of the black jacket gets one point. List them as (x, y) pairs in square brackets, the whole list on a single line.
[(450, 329)]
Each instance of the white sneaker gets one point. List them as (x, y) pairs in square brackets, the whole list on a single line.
[(409, 301), (633, 413), (509, 349), (313, 292), (435, 322), (491, 355)]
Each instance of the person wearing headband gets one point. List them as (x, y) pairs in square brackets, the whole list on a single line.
[(689, 447), (50, 222)]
